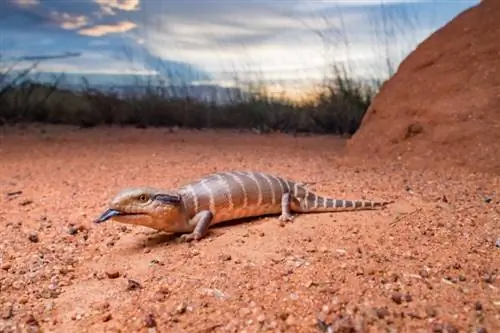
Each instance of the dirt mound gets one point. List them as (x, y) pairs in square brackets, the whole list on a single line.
[(444, 101)]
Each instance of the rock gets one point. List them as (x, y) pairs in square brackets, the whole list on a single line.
[(7, 311), (397, 297), (112, 274), (33, 237), (149, 320)]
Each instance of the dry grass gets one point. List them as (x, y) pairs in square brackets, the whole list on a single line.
[(338, 108)]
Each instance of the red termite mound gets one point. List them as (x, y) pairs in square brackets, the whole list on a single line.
[(443, 103)]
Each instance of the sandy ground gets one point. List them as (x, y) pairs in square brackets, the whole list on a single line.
[(428, 263)]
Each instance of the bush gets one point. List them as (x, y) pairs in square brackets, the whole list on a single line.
[(338, 108)]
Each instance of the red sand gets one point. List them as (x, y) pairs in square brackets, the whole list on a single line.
[(427, 262)]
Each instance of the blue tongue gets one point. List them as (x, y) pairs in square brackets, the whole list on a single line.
[(107, 215)]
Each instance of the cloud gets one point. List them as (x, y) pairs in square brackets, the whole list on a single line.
[(68, 21), (275, 39), (25, 3), (109, 7), (105, 29)]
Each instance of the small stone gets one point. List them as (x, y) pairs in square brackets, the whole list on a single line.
[(382, 312), (107, 317), (423, 273), (408, 298), (101, 306), (497, 243), (6, 266), (33, 237), (261, 318), (481, 330), (112, 274), (7, 311), (181, 308), (164, 289), (159, 297), (72, 230), (488, 278), (33, 324), (133, 285), (150, 321), (478, 306), (225, 257), (397, 297)]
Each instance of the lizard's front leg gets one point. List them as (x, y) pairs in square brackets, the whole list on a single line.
[(201, 221)]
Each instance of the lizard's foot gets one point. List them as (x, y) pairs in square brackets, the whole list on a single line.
[(185, 238), (286, 217)]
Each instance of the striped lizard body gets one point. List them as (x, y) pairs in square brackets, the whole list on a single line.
[(221, 197)]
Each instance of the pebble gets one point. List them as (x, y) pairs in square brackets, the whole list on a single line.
[(112, 274), (149, 320), (133, 285), (382, 313), (497, 243), (72, 230), (397, 297), (33, 237), (423, 273), (181, 308), (225, 257), (34, 327), (7, 311), (107, 317), (6, 266)]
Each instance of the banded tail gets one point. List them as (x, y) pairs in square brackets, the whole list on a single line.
[(317, 203)]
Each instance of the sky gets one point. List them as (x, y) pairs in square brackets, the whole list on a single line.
[(217, 41)]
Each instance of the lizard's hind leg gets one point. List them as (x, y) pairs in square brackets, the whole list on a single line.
[(287, 201)]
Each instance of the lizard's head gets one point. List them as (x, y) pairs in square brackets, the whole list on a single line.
[(143, 206)]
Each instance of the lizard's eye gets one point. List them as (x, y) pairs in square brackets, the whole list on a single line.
[(143, 198)]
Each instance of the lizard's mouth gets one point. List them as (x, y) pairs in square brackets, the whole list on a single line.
[(112, 213)]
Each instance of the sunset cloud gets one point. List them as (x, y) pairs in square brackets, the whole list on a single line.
[(109, 7), (68, 21), (293, 40), (105, 29)]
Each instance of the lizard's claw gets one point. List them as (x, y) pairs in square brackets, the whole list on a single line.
[(286, 218), (185, 238)]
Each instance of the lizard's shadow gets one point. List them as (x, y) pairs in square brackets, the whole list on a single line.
[(159, 238)]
